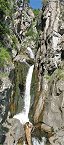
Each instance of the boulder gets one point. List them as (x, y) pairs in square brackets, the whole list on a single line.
[(30, 13)]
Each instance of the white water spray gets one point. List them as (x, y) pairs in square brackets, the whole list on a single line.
[(37, 142), (23, 117), (30, 52), (27, 91)]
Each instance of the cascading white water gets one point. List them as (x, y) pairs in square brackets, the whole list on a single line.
[(37, 142), (27, 90), (23, 116), (30, 52)]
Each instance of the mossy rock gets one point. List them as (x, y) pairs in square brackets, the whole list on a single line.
[(21, 70)]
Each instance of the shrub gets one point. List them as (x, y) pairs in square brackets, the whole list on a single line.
[(4, 56), (29, 32), (36, 12)]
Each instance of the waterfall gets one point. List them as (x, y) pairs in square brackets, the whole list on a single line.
[(30, 52), (38, 142), (27, 90), (23, 116)]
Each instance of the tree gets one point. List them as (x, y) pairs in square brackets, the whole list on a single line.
[(4, 8)]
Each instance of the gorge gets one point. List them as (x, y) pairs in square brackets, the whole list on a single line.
[(31, 73)]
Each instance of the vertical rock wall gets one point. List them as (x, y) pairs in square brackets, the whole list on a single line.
[(50, 67)]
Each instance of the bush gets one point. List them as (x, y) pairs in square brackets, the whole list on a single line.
[(4, 56), (36, 12), (29, 32)]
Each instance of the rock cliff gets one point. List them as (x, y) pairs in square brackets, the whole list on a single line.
[(48, 107), (44, 36), (15, 59)]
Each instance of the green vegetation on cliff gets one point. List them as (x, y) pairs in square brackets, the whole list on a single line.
[(59, 73), (36, 12), (4, 8), (4, 56)]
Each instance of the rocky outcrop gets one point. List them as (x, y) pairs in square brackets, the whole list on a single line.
[(50, 67), (5, 93), (51, 45), (23, 36), (16, 134), (20, 43), (47, 108), (24, 41)]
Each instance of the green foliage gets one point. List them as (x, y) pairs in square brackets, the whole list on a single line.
[(3, 74), (6, 10), (59, 74), (4, 7), (48, 77), (32, 32), (3, 28), (4, 56), (36, 12), (44, 2), (29, 32), (28, 1), (15, 41)]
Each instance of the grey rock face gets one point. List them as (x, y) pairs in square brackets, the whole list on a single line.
[(16, 132), (11, 95), (30, 13), (5, 93), (51, 38), (50, 67)]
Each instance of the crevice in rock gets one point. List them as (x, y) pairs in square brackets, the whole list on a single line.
[(61, 31), (62, 54)]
